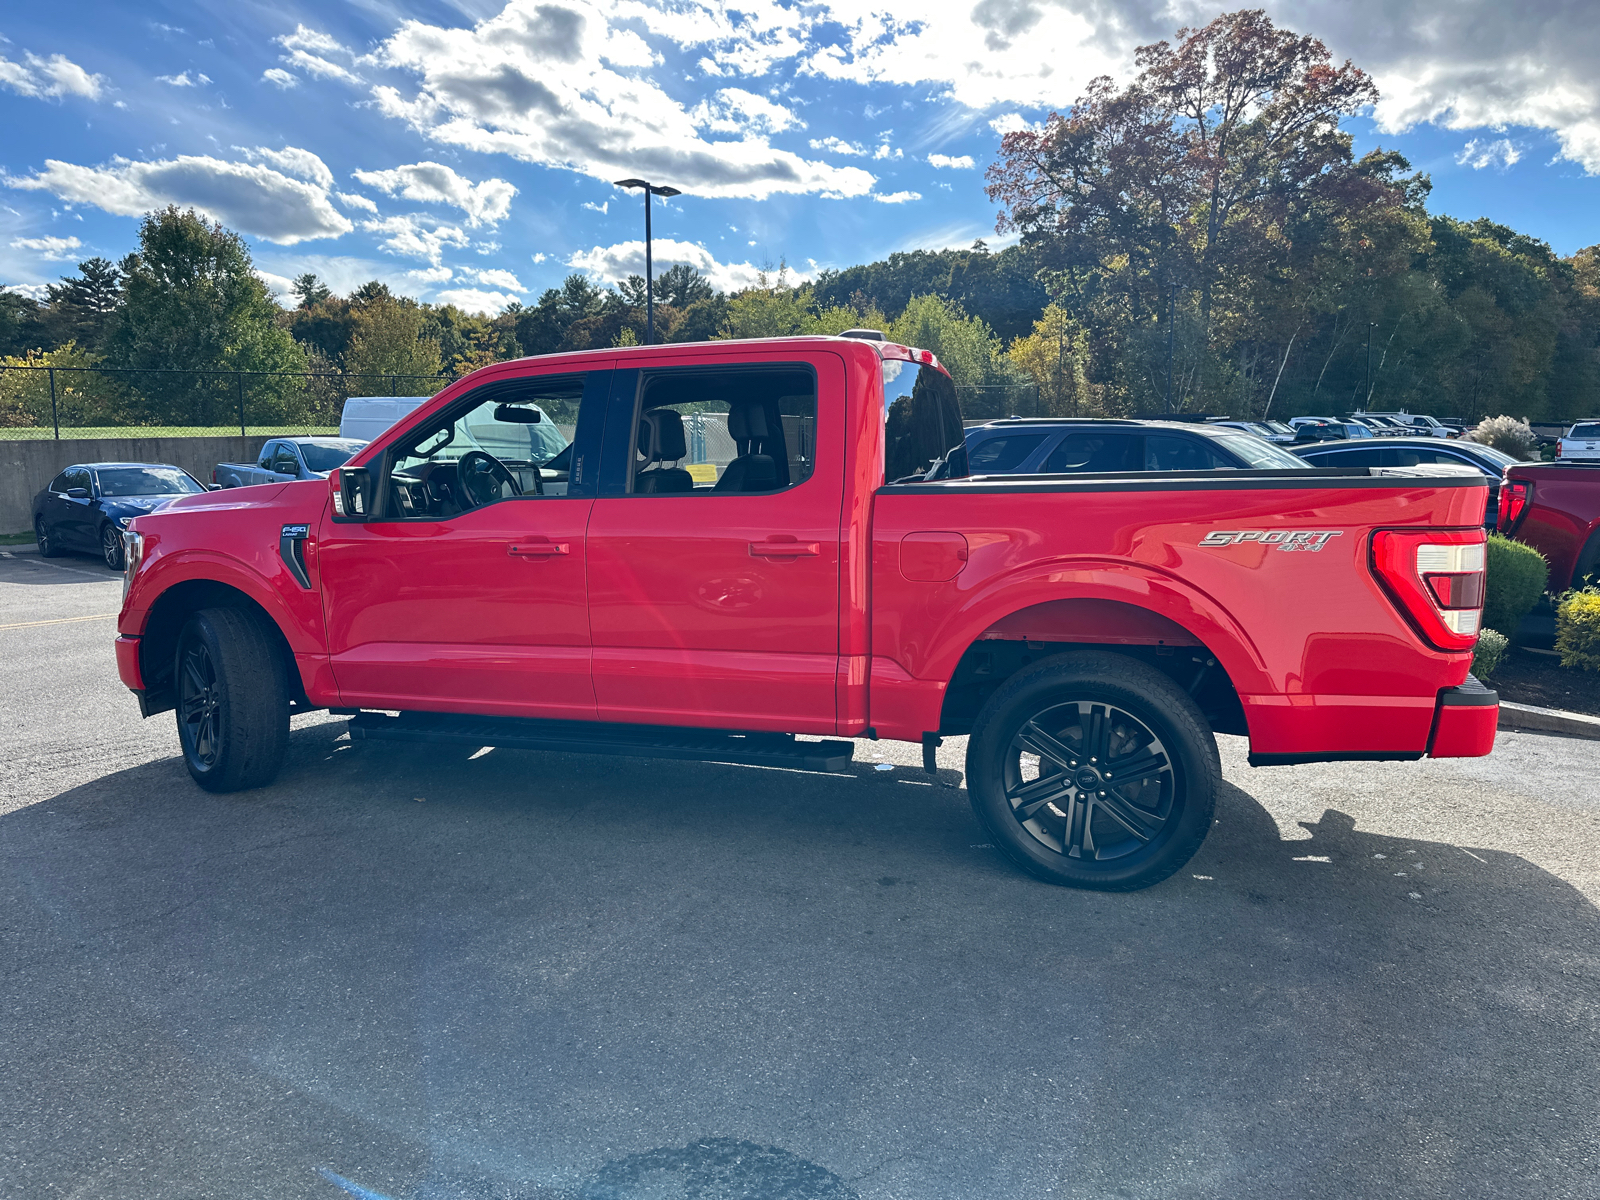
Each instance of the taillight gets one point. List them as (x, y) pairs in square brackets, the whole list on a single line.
[(1436, 576), (1514, 497)]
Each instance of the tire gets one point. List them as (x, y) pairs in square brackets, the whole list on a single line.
[(111, 546), (1045, 795), (232, 688), (47, 544)]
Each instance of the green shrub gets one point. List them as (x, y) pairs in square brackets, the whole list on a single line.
[(1578, 629), (1517, 578), (1486, 655)]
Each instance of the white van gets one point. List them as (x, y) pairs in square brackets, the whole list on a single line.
[(368, 417)]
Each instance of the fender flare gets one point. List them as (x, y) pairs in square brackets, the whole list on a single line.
[(211, 566)]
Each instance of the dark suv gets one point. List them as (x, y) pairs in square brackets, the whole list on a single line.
[(1052, 446)]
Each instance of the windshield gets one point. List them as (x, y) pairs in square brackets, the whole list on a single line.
[(1279, 427), (147, 481), (1261, 454), (1499, 457), (922, 423), (324, 457)]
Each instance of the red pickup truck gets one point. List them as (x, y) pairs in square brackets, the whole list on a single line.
[(1555, 508), (749, 541)]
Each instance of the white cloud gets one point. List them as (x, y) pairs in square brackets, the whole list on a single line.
[(599, 208), (184, 80), (433, 183), (255, 199), (50, 78), (884, 151), (345, 273), (292, 160), (498, 278), (281, 287), (312, 40), (53, 249), (960, 162), (33, 291), (355, 200), (1480, 153), (417, 236), (615, 263), (539, 258), (837, 145), (282, 78), (554, 82), (734, 110), (896, 197), (308, 49), (1010, 122), (475, 300)]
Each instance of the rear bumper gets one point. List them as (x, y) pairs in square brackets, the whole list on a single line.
[(1467, 718), (1459, 722)]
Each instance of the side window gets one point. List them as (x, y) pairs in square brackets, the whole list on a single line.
[(503, 445), (1374, 457), (710, 432), (923, 437), (59, 484), (264, 459), (1095, 452), (1171, 452), (1000, 454), (78, 477), (284, 461)]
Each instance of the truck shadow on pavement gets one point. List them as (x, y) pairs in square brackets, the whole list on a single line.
[(412, 972)]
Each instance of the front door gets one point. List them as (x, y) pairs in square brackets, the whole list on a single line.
[(466, 592), (714, 546)]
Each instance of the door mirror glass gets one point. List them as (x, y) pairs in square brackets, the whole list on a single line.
[(355, 492), (78, 493)]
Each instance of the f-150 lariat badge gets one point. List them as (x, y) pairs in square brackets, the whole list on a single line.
[(1283, 539)]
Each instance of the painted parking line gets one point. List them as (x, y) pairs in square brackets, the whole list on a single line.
[(60, 621), (76, 571)]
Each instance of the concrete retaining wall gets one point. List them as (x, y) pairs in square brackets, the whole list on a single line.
[(26, 467)]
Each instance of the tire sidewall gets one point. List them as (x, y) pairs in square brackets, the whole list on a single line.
[(41, 535), (104, 557), (1172, 717)]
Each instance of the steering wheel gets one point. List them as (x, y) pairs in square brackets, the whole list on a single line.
[(481, 475)]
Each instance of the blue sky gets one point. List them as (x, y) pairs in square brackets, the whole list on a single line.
[(463, 152)]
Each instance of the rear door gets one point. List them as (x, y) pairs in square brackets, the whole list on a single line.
[(80, 517), (714, 546)]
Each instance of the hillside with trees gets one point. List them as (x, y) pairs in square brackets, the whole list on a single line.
[(1199, 238)]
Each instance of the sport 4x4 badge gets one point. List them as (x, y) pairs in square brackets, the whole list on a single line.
[(1283, 539)]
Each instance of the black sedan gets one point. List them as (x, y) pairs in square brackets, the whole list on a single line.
[(1413, 452), (88, 505)]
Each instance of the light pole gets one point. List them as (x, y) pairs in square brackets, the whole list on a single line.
[(1371, 325), (649, 286)]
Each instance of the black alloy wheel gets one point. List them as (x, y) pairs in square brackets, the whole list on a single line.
[(47, 547), (111, 545), (1094, 770), (199, 704)]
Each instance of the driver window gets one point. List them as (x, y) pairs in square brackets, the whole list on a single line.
[(264, 460), (511, 444)]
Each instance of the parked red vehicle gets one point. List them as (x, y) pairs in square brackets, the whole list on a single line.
[(1555, 508), (745, 543)]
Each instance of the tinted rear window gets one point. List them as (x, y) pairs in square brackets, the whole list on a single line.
[(998, 454), (1585, 431), (922, 423), (1094, 452)]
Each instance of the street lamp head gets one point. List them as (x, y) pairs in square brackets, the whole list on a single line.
[(653, 189), (666, 191), (632, 183)]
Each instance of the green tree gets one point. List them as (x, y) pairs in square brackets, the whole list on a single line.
[(311, 290), (388, 348), (965, 345), (20, 328), (83, 307), (1055, 357), (193, 303)]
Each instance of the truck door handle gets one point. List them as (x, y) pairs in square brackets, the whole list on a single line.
[(539, 549), (784, 547)]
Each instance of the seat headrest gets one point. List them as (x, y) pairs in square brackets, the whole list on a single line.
[(661, 436), (747, 421)]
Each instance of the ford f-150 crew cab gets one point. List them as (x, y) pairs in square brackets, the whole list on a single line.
[(750, 546)]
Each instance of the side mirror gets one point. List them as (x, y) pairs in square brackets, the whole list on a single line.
[(77, 493), (213, 487), (353, 499)]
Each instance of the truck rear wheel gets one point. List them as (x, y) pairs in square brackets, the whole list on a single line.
[(233, 700), (1093, 770)]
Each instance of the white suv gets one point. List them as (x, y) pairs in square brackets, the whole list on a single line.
[(1416, 426), (1582, 443)]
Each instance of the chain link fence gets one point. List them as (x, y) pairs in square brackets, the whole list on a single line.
[(49, 402), (991, 401)]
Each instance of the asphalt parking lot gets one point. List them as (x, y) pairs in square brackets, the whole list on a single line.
[(424, 973)]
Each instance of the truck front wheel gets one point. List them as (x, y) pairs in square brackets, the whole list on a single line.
[(233, 700), (1093, 770)]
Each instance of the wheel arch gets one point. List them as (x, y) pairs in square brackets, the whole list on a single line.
[(165, 621), (1014, 642)]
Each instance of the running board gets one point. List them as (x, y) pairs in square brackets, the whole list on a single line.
[(583, 737)]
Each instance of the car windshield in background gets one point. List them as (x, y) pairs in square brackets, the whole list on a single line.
[(1261, 454), (1591, 431), (326, 458), (1499, 457), (922, 423), (146, 481)]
